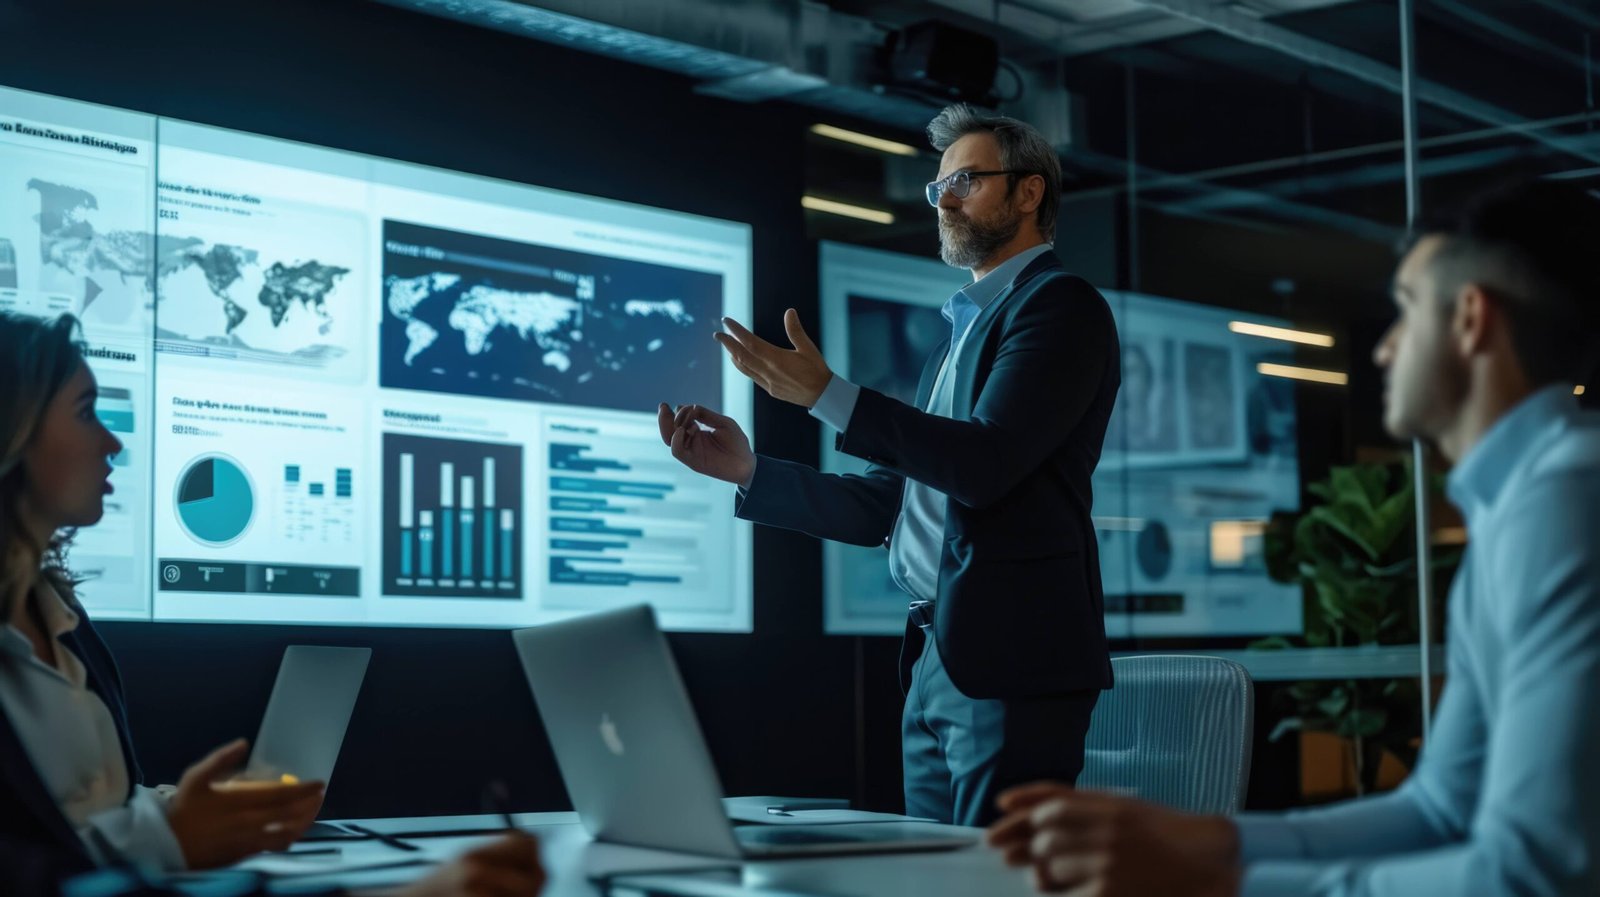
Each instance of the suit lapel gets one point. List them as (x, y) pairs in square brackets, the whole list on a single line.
[(965, 395)]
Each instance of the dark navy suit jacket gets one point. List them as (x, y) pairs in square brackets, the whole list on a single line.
[(1020, 612), (38, 846)]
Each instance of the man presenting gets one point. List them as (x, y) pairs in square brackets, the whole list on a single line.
[(980, 491)]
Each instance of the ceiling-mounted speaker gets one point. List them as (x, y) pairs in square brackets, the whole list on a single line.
[(944, 61)]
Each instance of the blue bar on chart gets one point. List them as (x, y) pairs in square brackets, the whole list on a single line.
[(408, 474), (508, 524), (488, 518), (468, 517), (425, 546), (447, 523), (570, 457)]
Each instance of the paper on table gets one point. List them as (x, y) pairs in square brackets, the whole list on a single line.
[(285, 865)]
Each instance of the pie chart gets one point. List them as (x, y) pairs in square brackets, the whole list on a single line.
[(215, 501)]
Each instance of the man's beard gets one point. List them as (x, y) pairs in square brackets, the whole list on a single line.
[(966, 243)]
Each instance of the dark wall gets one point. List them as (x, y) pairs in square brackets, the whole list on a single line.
[(786, 710)]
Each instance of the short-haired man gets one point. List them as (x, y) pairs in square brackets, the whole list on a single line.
[(1497, 320), (980, 490)]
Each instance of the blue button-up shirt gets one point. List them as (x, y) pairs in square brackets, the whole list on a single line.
[(919, 530), (1506, 796)]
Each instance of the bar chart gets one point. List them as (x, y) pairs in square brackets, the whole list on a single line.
[(453, 521), (314, 514)]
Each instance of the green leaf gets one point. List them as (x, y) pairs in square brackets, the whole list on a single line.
[(1367, 722), (1334, 704), (1285, 726)]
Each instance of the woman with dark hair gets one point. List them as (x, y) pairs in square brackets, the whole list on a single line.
[(70, 792)]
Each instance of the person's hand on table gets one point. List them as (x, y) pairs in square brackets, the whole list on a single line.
[(217, 826), (707, 443), (1083, 842), (506, 867), (797, 375)]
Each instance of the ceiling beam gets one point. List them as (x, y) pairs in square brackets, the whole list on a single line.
[(1267, 35)]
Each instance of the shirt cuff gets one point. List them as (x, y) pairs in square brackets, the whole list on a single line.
[(136, 832), (837, 403), (1266, 836), (1280, 879)]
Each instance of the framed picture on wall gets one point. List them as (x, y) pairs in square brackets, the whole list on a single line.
[(880, 322), (1183, 400)]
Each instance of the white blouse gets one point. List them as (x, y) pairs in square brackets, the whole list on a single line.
[(72, 740)]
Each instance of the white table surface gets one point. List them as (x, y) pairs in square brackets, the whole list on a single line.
[(577, 866)]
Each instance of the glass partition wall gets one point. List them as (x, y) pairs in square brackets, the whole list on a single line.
[(1240, 179)]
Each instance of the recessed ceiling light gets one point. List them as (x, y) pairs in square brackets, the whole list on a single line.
[(892, 147), (1335, 378), (832, 207), (1282, 333)]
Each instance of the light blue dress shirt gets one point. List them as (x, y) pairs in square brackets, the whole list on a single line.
[(919, 530), (1506, 796)]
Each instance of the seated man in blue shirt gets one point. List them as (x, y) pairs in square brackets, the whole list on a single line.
[(1497, 320)]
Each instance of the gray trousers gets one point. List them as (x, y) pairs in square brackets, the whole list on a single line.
[(960, 753)]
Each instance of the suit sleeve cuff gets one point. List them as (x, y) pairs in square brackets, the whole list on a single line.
[(837, 403)]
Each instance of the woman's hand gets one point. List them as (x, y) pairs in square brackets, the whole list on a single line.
[(217, 827)]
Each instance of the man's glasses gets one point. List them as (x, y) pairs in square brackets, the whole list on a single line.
[(960, 183)]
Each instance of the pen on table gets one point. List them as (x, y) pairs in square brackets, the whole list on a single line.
[(498, 801), (778, 811), (316, 851), (390, 840)]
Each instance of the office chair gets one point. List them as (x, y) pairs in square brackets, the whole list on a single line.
[(1176, 730)]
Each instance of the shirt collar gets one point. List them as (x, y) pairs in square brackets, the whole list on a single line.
[(983, 291), (58, 617), (1476, 482)]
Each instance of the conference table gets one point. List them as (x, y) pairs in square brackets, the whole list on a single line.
[(578, 866)]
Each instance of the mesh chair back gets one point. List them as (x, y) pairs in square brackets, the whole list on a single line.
[(1175, 730)]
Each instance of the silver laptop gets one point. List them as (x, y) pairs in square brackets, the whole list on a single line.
[(635, 763), (307, 715)]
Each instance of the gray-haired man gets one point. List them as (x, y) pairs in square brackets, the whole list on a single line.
[(980, 490)]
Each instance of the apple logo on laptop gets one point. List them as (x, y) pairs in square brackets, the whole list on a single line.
[(608, 734)]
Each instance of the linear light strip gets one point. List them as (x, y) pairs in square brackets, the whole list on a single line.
[(1304, 337), (867, 140), (1334, 378), (818, 204)]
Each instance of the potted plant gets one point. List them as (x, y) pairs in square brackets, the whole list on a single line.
[(1353, 550)]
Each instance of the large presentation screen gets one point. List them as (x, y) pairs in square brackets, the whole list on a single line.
[(357, 391), (1201, 450)]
